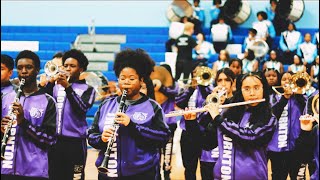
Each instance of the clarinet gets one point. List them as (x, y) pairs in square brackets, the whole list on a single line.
[(13, 118), (103, 167)]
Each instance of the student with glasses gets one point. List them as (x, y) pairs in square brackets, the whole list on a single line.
[(240, 132)]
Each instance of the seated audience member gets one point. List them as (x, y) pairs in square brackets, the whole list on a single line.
[(248, 41), (307, 51), (297, 65), (249, 62), (222, 62), (236, 66), (314, 73), (221, 35), (289, 42), (265, 28), (273, 62), (204, 53), (271, 10), (215, 10)]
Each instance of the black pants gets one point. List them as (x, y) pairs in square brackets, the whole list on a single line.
[(167, 152), (190, 155), (206, 169), (68, 159), (284, 163), (9, 177), (151, 174), (287, 57), (185, 67), (218, 46)]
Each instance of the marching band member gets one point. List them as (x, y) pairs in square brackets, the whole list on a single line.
[(287, 108), (135, 152), (74, 98), (6, 72), (224, 81), (194, 96), (26, 153), (241, 132), (171, 92)]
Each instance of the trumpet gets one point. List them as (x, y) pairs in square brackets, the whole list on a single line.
[(203, 109), (51, 69), (299, 84)]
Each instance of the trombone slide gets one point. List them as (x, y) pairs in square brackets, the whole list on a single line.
[(181, 112)]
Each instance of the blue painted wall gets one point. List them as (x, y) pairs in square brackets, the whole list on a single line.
[(119, 13)]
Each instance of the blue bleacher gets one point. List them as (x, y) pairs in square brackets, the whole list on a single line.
[(155, 47)]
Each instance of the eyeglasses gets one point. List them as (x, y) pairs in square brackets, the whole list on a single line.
[(247, 90)]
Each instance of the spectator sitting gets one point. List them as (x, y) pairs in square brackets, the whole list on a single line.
[(265, 28), (248, 41), (215, 12), (222, 62), (297, 65), (273, 62), (204, 53), (289, 42), (307, 51), (235, 65), (198, 12), (249, 63), (221, 34)]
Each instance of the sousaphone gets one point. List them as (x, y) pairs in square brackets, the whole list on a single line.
[(162, 74)]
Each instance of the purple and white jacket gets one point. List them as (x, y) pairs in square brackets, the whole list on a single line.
[(288, 112), (26, 152), (168, 106), (136, 148)]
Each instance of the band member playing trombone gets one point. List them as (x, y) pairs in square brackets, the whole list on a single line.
[(74, 98), (193, 96), (224, 81), (141, 127), (281, 150), (241, 132), (33, 128)]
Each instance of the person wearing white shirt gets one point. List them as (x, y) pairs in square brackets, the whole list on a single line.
[(249, 63), (204, 53), (314, 73), (289, 42), (248, 41), (221, 34), (297, 65), (222, 62), (273, 63), (265, 28), (198, 12), (307, 51), (214, 12)]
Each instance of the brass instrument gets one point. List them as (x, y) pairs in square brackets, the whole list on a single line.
[(299, 84), (163, 75), (203, 76), (315, 107), (203, 109), (51, 69), (215, 98), (13, 118)]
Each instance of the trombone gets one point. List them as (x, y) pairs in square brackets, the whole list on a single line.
[(203, 76), (300, 84)]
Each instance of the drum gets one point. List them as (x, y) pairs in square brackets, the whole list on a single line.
[(179, 8), (236, 10), (166, 80), (290, 9)]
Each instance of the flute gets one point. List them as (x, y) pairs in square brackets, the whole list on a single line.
[(182, 112)]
